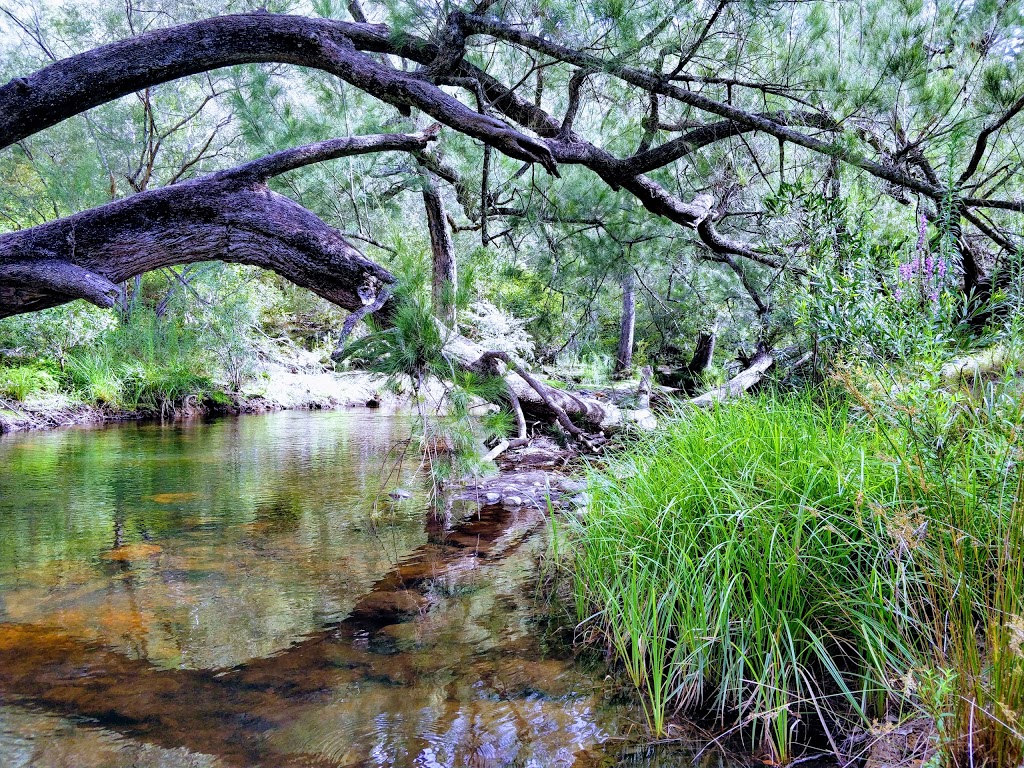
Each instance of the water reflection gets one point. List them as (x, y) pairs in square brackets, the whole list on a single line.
[(199, 545), (227, 594)]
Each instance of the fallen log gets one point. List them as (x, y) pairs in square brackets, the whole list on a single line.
[(971, 368), (753, 374), (537, 399)]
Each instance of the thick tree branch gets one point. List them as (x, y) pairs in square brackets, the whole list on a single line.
[(229, 216), (655, 83), (573, 108), (62, 278), (73, 85)]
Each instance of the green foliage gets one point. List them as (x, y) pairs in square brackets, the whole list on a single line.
[(962, 523), (410, 347), (885, 304), (147, 365), (54, 333), (25, 381), (732, 560), (787, 560)]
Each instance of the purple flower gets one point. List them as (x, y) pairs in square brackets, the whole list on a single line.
[(934, 295), (929, 265), (922, 232), (942, 268), (898, 294)]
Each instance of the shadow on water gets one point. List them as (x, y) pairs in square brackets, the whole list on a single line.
[(436, 660)]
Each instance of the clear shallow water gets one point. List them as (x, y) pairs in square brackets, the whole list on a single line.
[(243, 593)]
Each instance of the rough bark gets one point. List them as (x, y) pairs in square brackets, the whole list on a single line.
[(230, 216), (72, 85), (442, 250), (29, 104), (703, 352), (627, 325), (685, 377), (75, 84)]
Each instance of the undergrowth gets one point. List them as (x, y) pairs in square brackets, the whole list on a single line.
[(802, 565)]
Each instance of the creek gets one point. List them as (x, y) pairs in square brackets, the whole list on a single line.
[(243, 592)]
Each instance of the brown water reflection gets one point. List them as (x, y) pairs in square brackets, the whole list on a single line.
[(227, 595)]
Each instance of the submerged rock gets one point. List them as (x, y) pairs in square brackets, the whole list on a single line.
[(130, 552)]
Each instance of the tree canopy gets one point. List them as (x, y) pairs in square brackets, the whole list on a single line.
[(717, 156)]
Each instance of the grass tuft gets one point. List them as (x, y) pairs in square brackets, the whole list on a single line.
[(798, 566)]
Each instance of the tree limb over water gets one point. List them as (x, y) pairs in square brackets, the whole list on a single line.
[(351, 51), (231, 216)]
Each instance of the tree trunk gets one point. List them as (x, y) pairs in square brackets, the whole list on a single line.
[(624, 357), (442, 249), (760, 364)]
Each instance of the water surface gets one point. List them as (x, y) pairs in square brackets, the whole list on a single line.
[(244, 593)]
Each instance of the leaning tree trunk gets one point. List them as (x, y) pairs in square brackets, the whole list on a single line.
[(624, 356), (442, 250), (232, 216)]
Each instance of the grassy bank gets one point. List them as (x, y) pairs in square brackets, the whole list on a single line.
[(161, 367), (145, 368), (804, 566)]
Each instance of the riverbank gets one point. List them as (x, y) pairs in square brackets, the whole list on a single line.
[(834, 571), (278, 388)]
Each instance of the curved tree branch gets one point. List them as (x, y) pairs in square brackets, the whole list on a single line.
[(75, 84), (229, 216)]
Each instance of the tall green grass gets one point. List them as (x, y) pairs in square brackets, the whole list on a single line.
[(735, 565), (149, 366), (24, 381), (962, 450), (795, 567)]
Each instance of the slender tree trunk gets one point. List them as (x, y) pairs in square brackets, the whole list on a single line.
[(442, 248), (624, 358)]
